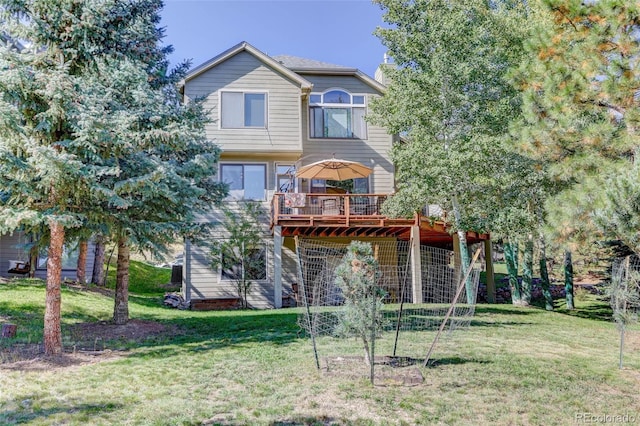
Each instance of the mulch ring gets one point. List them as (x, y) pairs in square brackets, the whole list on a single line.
[(390, 371), (91, 342)]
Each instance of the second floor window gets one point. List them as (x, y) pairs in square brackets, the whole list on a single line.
[(243, 109), (246, 181), (337, 114)]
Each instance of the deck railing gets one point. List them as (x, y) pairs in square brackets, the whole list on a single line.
[(292, 205)]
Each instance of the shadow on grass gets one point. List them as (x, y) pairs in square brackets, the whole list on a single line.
[(455, 360), (215, 330), (505, 309), (27, 414), (307, 421), (598, 311)]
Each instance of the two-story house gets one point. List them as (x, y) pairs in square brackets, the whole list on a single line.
[(271, 116)]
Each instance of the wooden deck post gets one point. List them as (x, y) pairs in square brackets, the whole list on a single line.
[(456, 251), (277, 266), (416, 265), (490, 278)]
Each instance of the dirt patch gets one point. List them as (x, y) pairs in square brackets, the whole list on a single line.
[(32, 358), (91, 343), (390, 371), (106, 331), (89, 287)]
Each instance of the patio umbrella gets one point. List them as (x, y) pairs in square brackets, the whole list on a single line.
[(334, 169)]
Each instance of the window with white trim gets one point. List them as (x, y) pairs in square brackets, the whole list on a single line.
[(241, 110), (337, 114), (254, 267), (246, 181), (69, 257)]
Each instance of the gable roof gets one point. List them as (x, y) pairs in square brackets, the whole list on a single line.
[(292, 67), (262, 57), (311, 66)]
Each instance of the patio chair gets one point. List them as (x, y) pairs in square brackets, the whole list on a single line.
[(330, 206)]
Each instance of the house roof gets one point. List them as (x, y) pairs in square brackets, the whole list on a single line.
[(296, 63), (293, 67), (246, 47), (310, 66)]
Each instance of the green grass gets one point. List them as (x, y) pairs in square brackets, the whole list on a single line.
[(143, 278), (511, 366)]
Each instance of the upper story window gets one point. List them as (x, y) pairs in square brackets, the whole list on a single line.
[(337, 114), (246, 181), (243, 109)]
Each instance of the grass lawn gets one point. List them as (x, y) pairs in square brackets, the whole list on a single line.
[(511, 366)]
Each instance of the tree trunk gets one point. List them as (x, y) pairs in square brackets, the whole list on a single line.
[(527, 271), (33, 258), (465, 265), (511, 258), (98, 263), (568, 278), (464, 251), (365, 346), (82, 262), (544, 275), (52, 330), (121, 307)]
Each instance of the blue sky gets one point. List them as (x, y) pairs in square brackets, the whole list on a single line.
[(334, 31)]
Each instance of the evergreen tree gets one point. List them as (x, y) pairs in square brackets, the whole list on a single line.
[(73, 122), (44, 170), (164, 164), (580, 83), (450, 99), (357, 276)]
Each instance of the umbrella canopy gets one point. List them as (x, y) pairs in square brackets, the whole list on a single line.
[(334, 169)]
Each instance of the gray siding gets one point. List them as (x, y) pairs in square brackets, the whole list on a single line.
[(244, 72), (10, 250), (201, 281)]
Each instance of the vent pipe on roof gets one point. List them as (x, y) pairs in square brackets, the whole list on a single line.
[(379, 75)]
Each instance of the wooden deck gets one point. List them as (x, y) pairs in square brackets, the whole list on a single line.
[(352, 216)]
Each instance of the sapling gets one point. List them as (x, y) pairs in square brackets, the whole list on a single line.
[(357, 276)]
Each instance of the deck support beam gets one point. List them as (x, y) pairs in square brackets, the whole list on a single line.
[(416, 265), (277, 267)]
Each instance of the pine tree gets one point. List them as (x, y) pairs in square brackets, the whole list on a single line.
[(44, 170), (165, 164), (357, 277), (580, 83), (93, 131)]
